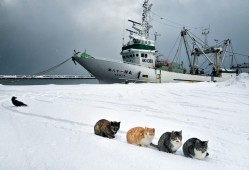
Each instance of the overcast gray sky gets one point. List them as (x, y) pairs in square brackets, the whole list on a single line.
[(38, 34)]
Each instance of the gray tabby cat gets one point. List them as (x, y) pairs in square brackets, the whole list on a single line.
[(195, 148), (169, 142)]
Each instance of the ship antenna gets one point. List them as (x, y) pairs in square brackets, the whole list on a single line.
[(156, 35), (123, 33)]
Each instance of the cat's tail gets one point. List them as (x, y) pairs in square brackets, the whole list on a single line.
[(156, 146)]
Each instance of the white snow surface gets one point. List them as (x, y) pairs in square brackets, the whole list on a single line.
[(55, 131)]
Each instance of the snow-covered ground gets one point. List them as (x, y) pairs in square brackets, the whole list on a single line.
[(56, 130)]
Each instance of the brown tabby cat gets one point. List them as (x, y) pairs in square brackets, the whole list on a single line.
[(106, 128), (140, 136)]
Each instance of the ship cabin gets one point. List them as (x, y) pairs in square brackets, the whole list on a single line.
[(140, 51)]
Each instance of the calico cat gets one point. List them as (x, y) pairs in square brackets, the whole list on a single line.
[(195, 148), (140, 136), (106, 128), (169, 142)]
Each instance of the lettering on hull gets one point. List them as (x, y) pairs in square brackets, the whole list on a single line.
[(120, 73)]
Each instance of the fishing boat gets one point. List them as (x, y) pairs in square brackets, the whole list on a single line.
[(141, 61)]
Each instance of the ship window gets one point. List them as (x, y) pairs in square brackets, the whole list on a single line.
[(133, 55), (145, 76), (145, 55), (137, 55), (149, 42), (124, 57), (142, 55), (130, 56), (145, 42)]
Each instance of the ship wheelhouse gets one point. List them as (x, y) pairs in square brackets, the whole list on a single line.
[(139, 51)]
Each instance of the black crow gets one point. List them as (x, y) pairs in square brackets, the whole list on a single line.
[(16, 102)]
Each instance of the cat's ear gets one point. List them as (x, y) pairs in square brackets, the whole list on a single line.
[(197, 141), (206, 142), (119, 123), (111, 123), (180, 132), (172, 133), (153, 129)]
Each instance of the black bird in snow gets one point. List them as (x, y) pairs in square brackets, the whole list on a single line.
[(16, 102)]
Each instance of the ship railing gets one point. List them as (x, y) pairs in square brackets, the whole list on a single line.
[(138, 41)]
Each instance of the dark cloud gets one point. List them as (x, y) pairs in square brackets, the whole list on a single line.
[(36, 35)]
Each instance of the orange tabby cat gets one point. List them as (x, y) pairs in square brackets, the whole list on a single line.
[(140, 136)]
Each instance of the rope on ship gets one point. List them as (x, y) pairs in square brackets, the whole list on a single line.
[(58, 65), (52, 68)]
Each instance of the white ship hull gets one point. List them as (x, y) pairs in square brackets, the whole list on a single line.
[(119, 72)]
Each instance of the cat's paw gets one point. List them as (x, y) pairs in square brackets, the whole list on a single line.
[(111, 137)]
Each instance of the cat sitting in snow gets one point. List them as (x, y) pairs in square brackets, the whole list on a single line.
[(106, 128), (169, 142), (195, 148), (140, 136)]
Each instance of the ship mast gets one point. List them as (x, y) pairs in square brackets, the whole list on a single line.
[(145, 19), (205, 32)]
